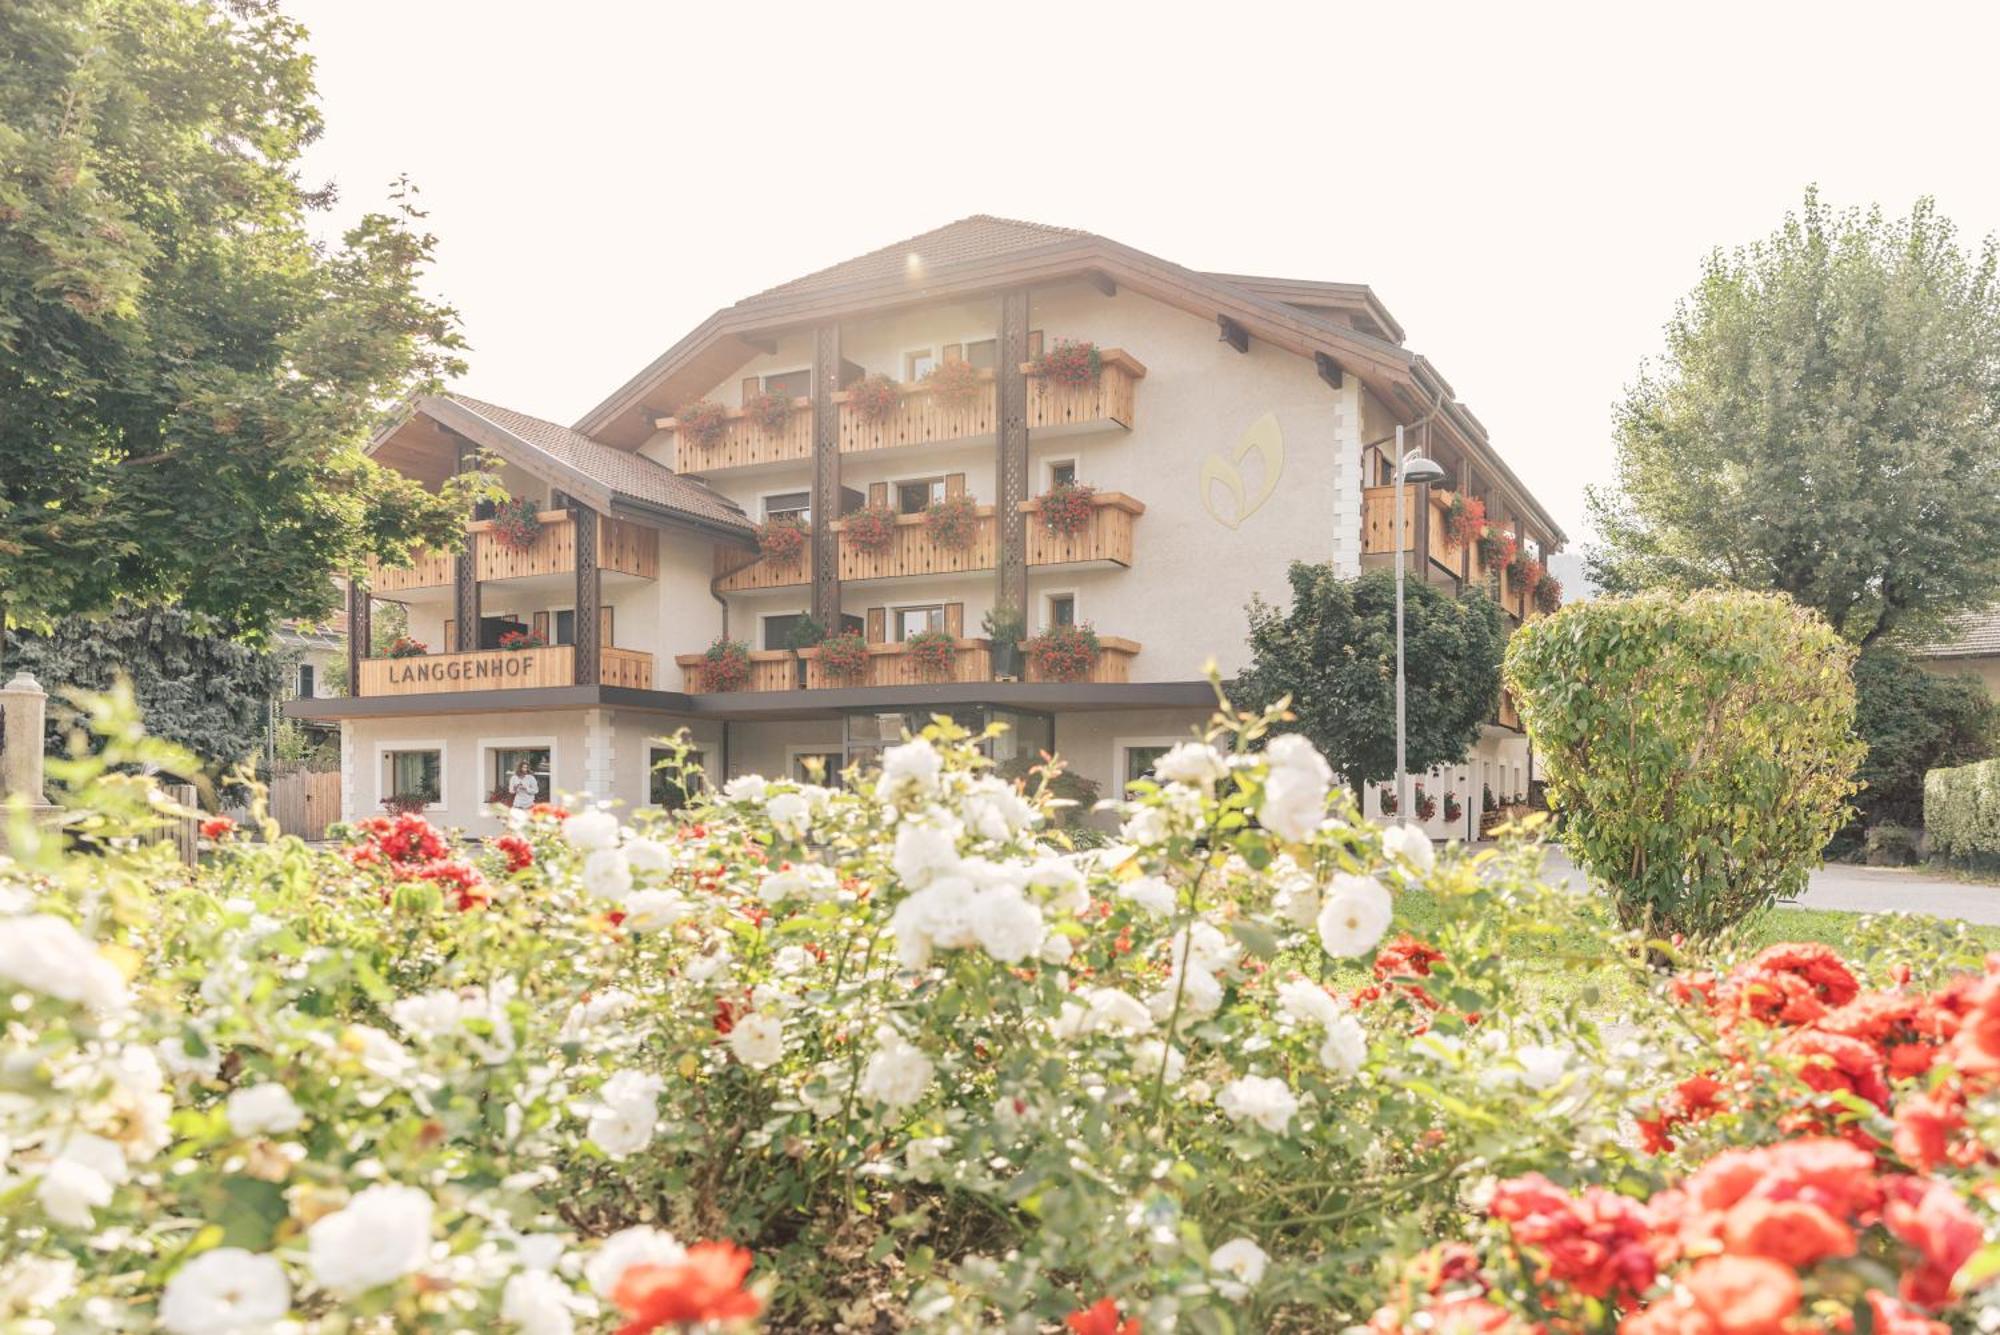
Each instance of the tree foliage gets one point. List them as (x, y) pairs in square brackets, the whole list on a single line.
[(202, 688), (1698, 747), (1913, 721), (187, 374), (1334, 652), (1825, 422)]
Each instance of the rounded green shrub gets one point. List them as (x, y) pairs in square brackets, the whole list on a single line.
[(1962, 812), (1699, 747)]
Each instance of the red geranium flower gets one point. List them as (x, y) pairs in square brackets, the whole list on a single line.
[(705, 1286), (520, 853), (217, 827), (1101, 1318)]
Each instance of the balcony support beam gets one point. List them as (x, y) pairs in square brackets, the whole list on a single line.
[(1012, 489), (1103, 282), (1234, 334), (826, 477), (360, 631), (1329, 369), (589, 598), (465, 577)]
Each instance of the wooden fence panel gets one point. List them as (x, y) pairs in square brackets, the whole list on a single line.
[(305, 802)]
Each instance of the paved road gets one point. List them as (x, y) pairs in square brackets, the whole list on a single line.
[(1875, 890)]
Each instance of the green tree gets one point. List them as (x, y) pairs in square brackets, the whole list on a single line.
[(187, 373), (1697, 747), (1913, 721), (1333, 651), (1825, 423), (199, 686)]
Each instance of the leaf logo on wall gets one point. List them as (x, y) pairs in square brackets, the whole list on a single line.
[(1222, 477)]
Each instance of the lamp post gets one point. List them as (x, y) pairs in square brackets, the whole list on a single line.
[(1415, 468)]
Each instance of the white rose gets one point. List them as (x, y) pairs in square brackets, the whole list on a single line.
[(225, 1292), (263, 1110), (898, 1073), (538, 1303), (1346, 1046), (648, 855), (926, 847), (993, 810), (711, 966), (1008, 926), (639, 1245), (1205, 944), (653, 910), (1295, 788), (173, 1054), (1148, 1054), (1200, 996), (1355, 914), (1063, 884), (1264, 1100), (758, 1040), (1195, 763), (1239, 1267), (1056, 949), (607, 875), (623, 1120), (382, 1235), (43, 953), (1107, 1008), (1411, 844), (1150, 893), (790, 814), (32, 1283), (1145, 827), (1541, 1067), (590, 831), (744, 788), (1307, 1002), (912, 767), (80, 1179)]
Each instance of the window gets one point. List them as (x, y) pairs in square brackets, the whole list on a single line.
[(912, 620), (1062, 609), (505, 758), (1063, 473), (1139, 761), (791, 384), (778, 629), (565, 626), (983, 355), (917, 365), (305, 681), (915, 496), (671, 785), (789, 505), (414, 773), (827, 764)]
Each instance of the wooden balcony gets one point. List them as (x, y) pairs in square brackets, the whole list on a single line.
[(924, 417), (500, 669), (744, 443), (628, 548), (432, 570), (1378, 526), (1507, 716), (1112, 400), (1108, 536), (916, 551), (892, 665), (739, 572)]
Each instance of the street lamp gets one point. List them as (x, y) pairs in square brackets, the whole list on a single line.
[(1413, 468)]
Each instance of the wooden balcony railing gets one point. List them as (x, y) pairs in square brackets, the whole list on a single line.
[(892, 665), (1113, 397), (743, 442), (632, 549), (1378, 525), (1507, 716), (917, 551), (735, 576), (431, 570), (500, 669), (924, 417), (1107, 537)]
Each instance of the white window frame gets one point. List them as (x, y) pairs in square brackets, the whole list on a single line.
[(762, 613), (1076, 602), (764, 500), (567, 607), (1049, 467), (932, 353), (764, 379), (896, 486), (1121, 745), (896, 617), (382, 750), (697, 748), (488, 745)]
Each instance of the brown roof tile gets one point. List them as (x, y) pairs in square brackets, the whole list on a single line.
[(979, 237), (1969, 635), (630, 475)]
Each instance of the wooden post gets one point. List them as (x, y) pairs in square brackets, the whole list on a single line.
[(465, 582), (360, 631), (589, 597), (826, 477), (1012, 490)]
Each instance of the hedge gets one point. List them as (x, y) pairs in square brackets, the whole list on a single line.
[(1962, 810)]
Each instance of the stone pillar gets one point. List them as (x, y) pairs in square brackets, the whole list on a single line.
[(23, 709)]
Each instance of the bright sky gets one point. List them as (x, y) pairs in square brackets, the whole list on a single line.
[(1529, 198)]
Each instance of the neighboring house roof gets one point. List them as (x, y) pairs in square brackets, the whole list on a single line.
[(603, 476), (984, 254), (1969, 635), (297, 634)]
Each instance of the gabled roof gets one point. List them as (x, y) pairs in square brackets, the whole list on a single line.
[(1969, 635), (982, 255), (609, 479), (1357, 302)]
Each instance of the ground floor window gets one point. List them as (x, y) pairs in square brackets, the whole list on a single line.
[(412, 775), (821, 767), (500, 768), (1138, 756), (672, 782), (1028, 735)]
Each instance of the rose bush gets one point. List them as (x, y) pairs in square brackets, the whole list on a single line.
[(897, 1056)]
